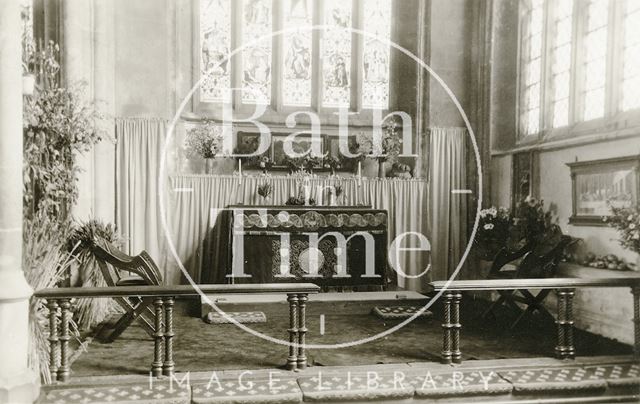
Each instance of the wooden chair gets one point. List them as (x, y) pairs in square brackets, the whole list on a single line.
[(120, 269), (541, 262)]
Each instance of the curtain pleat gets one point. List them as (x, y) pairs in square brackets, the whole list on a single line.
[(139, 146), (447, 209), (196, 200)]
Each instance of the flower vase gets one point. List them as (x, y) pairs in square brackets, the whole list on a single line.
[(382, 169)]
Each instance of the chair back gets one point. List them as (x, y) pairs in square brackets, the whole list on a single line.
[(543, 265), (113, 263), (503, 257)]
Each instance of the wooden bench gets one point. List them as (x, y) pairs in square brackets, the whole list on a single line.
[(564, 288), (163, 302)]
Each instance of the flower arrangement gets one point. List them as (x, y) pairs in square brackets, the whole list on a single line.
[(627, 222), (304, 164), (533, 224), (264, 163), (493, 231), (204, 140), (58, 123), (530, 226), (332, 163), (387, 150), (264, 190)]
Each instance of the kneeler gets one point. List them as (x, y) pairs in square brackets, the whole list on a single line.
[(113, 264), (531, 265)]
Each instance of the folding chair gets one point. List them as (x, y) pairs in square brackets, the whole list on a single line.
[(120, 269), (534, 264)]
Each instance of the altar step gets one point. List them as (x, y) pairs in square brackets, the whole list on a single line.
[(330, 297), (539, 380)]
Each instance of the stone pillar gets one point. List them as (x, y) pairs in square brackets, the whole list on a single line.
[(18, 384)]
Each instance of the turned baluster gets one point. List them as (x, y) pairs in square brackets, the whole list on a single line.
[(54, 353), (292, 359), (560, 324), (65, 317), (446, 328), (570, 351), (158, 336), (302, 330), (169, 364), (636, 319), (456, 355)]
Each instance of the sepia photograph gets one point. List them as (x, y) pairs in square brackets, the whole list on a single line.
[(319, 201)]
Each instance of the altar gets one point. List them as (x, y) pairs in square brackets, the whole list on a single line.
[(326, 245), (199, 221)]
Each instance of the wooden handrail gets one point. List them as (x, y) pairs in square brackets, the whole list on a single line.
[(538, 283), (564, 288), (163, 332), (175, 290)]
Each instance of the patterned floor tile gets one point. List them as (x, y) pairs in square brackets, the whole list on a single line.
[(236, 391), (124, 394), (460, 383), (554, 379), (398, 312), (618, 375), (356, 386), (243, 317)]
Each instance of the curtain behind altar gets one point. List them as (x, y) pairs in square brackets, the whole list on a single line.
[(195, 199), (139, 147), (447, 210)]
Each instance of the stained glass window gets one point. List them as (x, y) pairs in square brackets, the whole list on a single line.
[(298, 55), (532, 64), (375, 85), (631, 61), (594, 67), (561, 62), (256, 58), (336, 54), (215, 40)]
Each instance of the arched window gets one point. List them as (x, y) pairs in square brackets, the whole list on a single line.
[(321, 69)]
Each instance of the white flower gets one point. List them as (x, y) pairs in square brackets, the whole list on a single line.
[(488, 226), (632, 226)]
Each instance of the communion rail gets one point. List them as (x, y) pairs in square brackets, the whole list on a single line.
[(564, 288), (60, 299)]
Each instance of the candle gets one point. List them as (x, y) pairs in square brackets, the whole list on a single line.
[(240, 169), (359, 172)]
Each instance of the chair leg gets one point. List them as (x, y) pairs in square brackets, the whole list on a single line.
[(493, 305), (533, 303)]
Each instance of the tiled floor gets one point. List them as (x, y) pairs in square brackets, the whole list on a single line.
[(595, 379)]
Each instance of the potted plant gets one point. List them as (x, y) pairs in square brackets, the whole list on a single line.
[(627, 221), (205, 141)]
